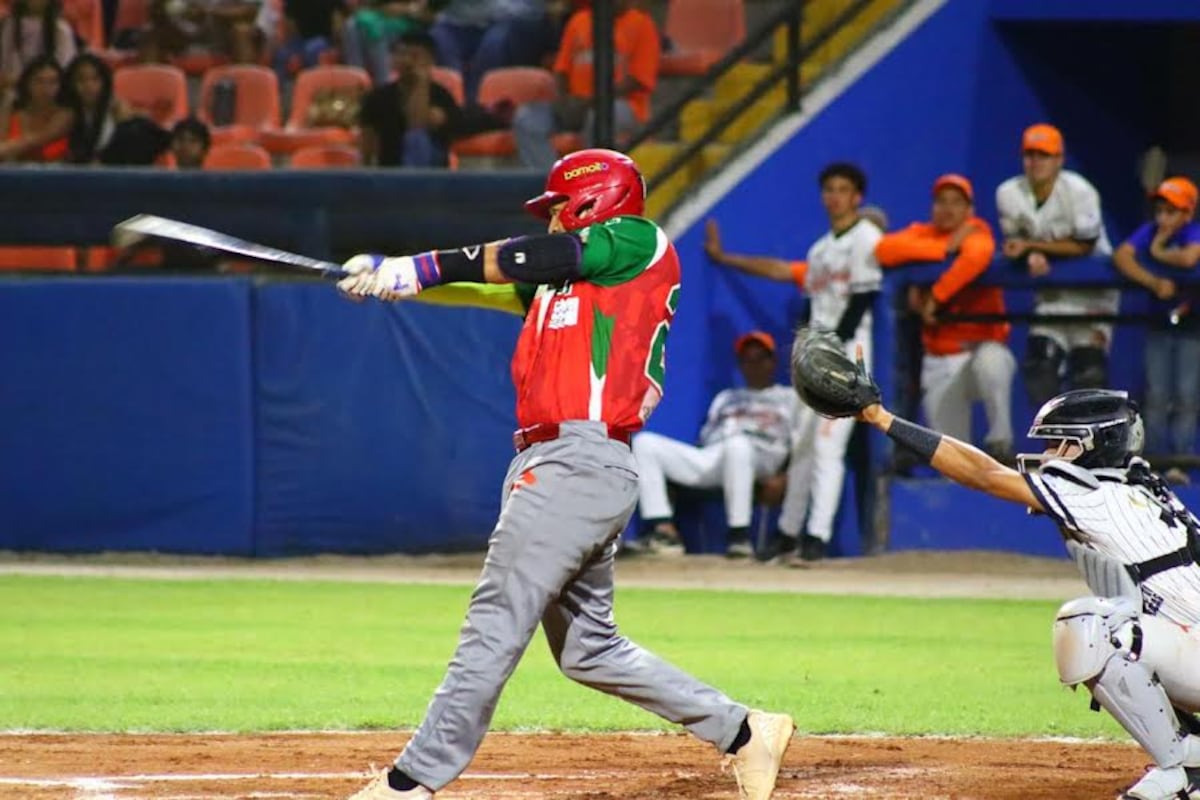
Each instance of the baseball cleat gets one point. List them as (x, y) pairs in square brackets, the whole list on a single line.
[(756, 764), (378, 789), (1161, 784)]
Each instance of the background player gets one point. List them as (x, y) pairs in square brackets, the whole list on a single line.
[(1134, 642), (841, 278), (588, 371)]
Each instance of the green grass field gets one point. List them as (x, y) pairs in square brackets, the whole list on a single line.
[(103, 654)]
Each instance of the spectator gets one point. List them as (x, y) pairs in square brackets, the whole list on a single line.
[(98, 112), (227, 26), (1045, 214), (369, 36), (747, 436), (34, 28), (36, 126), (190, 142), (638, 49), (841, 277), (1154, 253), (310, 27), (410, 121), (964, 362)]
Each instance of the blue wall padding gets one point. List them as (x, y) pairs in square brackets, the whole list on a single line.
[(379, 428), (126, 416)]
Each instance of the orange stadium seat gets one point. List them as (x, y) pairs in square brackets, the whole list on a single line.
[(257, 102), (237, 156), (516, 84), (450, 80), (325, 156), (159, 90), (87, 19), (309, 83), (51, 259), (702, 31)]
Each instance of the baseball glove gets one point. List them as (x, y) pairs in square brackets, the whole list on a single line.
[(825, 377)]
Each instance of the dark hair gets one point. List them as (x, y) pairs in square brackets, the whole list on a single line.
[(49, 25), (85, 133), (38, 64), (419, 39), (193, 126), (844, 169)]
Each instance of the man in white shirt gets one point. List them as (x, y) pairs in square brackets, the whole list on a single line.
[(841, 278), (1050, 213), (746, 436)]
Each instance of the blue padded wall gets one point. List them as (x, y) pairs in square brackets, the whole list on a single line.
[(125, 418)]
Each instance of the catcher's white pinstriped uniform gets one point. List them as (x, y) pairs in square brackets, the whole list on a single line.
[(746, 435), (839, 265), (1148, 534)]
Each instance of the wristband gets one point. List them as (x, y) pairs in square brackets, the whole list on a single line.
[(922, 441)]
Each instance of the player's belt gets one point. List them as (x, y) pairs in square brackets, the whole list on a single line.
[(1145, 569), (548, 431)]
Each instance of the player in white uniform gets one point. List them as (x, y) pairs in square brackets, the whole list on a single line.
[(746, 436), (841, 278), (1135, 642), (1045, 214)]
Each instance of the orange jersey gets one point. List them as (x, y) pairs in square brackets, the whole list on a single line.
[(638, 50), (596, 349), (953, 291)]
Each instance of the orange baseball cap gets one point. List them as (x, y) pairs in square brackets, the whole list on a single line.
[(1179, 192), (955, 181), (761, 337), (1042, 138)]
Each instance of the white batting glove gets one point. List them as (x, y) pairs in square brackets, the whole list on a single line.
[(378, 276)]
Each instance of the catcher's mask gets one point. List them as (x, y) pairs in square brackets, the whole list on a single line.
[(1094, 428), (596, 184)]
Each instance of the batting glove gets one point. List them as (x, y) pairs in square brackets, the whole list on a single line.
[(372, 275)]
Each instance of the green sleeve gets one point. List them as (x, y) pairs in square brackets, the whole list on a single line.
[(513, 298), (620, 249)]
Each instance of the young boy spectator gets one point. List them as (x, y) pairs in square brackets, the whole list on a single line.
[(410, 121), (747, 436), (1169, 245), (841, 278), (190, 141), (1050, 213), (964, 362), (635, 64)]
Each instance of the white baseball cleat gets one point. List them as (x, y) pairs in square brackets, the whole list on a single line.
[(378, 789), (1161, 784), (756, 764)]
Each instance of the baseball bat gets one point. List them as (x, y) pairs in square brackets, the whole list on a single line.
[(138, 228)]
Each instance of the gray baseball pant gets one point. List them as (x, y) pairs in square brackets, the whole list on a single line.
[(550, 560)]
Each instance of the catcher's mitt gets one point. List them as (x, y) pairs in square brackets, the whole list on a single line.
[(825, 377)]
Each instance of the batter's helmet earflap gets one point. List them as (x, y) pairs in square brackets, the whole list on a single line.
[(596, 185)]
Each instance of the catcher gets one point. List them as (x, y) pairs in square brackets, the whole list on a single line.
[(1134, 643)]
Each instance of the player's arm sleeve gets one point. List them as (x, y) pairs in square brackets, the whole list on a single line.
[(865, 280), (1061, 488), (1006, 210), (714, 410), (974, 257), (860, 303), (511, 298), (620, 249), (911, 244), (1087, 221), (799, 271)]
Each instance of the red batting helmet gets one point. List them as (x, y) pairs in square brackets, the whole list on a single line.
[(604, 181)]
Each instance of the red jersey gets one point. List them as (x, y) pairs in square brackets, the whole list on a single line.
[(596, 349)]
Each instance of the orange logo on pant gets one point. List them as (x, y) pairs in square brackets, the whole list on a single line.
[(527, 478)]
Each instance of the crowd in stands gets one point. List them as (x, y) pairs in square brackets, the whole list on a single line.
[(381, 83)]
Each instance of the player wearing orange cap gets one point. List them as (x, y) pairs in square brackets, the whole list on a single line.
[(1153, 256), (964, 362), (1049, 213), (600, 289)]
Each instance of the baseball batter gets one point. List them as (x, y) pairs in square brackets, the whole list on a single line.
[(841, 278), (1134, 643), (601, 288)]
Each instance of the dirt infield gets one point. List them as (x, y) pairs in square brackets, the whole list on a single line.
[(649, 767), (306, 766)]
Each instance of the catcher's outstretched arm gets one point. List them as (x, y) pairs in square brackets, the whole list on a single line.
[(957, 460)]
